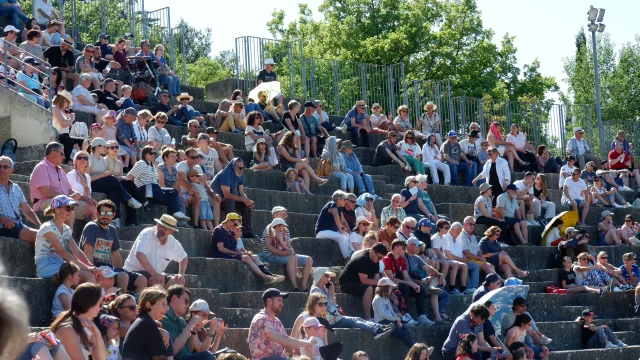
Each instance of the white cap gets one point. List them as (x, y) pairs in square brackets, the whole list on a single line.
[(318, 273), (277, 208), (385, 281), (311, 322), (277, 221), (269, 61), (10, 28), (200, 305), (107, 272)]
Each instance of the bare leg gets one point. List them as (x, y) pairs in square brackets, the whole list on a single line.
[(462, 269), (524, 230), (506, 270), (522, 208), (517, 230), (305, 176), (306, 147), (304, 166), (585, 212), (505, 259), (292, 263), (453, 272), (303, 187), (314, 148), (254, 268), (509, 157), (366, 302), (306, 270)]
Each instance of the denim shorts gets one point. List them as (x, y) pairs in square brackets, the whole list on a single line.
[(205, 211), (284, 260), (14, 232), (48, 266), (128, 150)]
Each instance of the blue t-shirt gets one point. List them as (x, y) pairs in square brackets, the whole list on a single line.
[(325, 220), (227, 177), (309, 124), (635, 270), (353, 113), (253, 107), (31, 82), (412, 208), (227, 238)]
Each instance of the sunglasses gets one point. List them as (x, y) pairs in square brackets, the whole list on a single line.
[(82, 158), (114, 147), (446, 228), (352, 201), (626, 220), (396, 227), (604, 257), (323, 304), (130, 307), (69, 208), (194, 157), (409, 227), (584, 258), (89, 51), (106, 213), (161, 122), (240, 168)]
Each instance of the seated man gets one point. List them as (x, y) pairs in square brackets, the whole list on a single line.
[(454, 251), (456, 159), (312, 128), (49, 180), (107, 95), (105, 48), (183, 335), (13, 202), (509, 211), (12, 10), (470, 247), (576, 195), (526, 200), (100, 243), (535, 341), (470, 322), (105, 66), (619, 159), (163, 106), (578, 147), (229, 184), (10, 36), (387, 153), (361, 274), (225, 151), (62, 57), (357, 123), (234, 122), (352, 166), (154, 249), (126, 134), (274, 253)]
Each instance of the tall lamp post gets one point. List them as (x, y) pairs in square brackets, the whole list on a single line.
[(595, 16)]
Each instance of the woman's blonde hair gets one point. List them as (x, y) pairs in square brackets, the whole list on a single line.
[(59, 100), (403, 107), (492, 230), (80, 153), (383, 291), (145, 114), (161, 115)]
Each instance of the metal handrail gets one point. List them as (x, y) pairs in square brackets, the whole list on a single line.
[(6, 72)]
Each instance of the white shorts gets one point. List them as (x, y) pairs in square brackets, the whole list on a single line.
[(501, 149)]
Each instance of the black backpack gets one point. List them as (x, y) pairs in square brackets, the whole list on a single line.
[(9, 148)]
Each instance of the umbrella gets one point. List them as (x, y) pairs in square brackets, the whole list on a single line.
[(502, 299), (272, 89), (569, 219)]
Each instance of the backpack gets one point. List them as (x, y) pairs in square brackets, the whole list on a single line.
[(9, 148)]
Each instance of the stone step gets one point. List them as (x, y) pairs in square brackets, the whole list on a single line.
[(573, 311), (627, 337), (630, 352)]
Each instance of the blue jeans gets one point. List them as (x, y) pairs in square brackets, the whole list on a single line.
[(362, 140), (473, 274), (14, 13), (346, 180), (464, 167), (35, 98), (349, 322), (115, 191), (174, 121), (185, 114), (363, 184), (172, 82), (164, 196), (403, 333), (443, 299), (203, 355)]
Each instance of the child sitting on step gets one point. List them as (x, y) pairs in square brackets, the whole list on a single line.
[(206, 213)]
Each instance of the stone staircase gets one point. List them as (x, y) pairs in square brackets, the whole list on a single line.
[(234, 294)]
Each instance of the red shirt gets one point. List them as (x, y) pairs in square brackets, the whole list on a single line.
[(400, 264), (613, 154)]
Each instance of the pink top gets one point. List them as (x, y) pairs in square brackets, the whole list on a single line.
[(47, 174)]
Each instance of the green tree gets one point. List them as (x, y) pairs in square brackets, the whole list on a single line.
[(197, 42), (206, 70)]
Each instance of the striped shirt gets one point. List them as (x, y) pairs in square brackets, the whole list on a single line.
[(47, 174), (263, 239), (143, 174), (10, 202)]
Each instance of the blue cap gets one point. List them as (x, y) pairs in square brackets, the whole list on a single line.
[(452, 134), (512, 187), (425, 222), (30, 60), (103, 36)]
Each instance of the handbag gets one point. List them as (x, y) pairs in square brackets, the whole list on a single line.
[(324, 167)]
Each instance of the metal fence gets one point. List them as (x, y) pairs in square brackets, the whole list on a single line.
[(178, 57)]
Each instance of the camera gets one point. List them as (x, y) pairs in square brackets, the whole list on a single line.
[(128, 36)]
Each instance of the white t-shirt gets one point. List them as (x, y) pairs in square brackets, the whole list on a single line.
[(322, 118), (354, 237), (208, 164), (375, 119), (575, 189), (438, 242), (519, 141), (43, 247), (521, 186), (159, 256), (469, 148), (140, 131), (552, 236), (184, 167), (454, 247), (248, 141), (565, 169), (314, 354), (409, 150)]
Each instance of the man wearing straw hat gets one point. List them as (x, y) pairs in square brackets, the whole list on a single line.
[(152, 252), (62, 57)]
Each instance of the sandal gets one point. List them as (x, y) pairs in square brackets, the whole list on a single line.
[(523, 274)]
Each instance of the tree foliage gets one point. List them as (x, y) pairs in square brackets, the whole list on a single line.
[(206, 70), (435, 39)]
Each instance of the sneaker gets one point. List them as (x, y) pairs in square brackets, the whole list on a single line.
[(267, 121), (273, 279), (181, 217), (432, 290), (424, 320), (116, 223), (343, 129), (628, 205), (504, 245), (621, 344), (455, 291), (616, 289), (406, 317), (545, 340), (624, 188), (150, 207), (381, 331), (412, 323), (610, 345), (617, 206), (469, 291), (134, 203)]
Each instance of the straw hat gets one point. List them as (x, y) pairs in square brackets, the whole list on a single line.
[(184, 95)]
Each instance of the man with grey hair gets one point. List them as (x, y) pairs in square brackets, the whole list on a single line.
[(406, 228), (12, 201), (470, 247), (331, 223), (126, 134), (469, 271)]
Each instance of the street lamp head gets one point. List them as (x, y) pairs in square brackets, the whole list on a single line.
[(593, 27), (600, 15), (593, 13), (601, 27)]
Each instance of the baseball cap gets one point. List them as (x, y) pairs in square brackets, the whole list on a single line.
[(491, 278), (107, 272), (452, 134), (311, 322), (512, 187), (309, 104), (103, 36), (385, 281), (414, 241), (570, 229), (318, 273), (200, 305), (588, 312), (277, 208), (30, 60), (425, 222), (11, 28), (606, 213), (520, 301), (271, 293), (62, 200), (192, 172), (233, 216), (98, 141)]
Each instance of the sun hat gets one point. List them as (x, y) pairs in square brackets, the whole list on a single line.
[(606, 213), (286, 173), (269, 61), (110, 113), (484, 187), (361, 219), (385, 281), (11, 28), (277, 208), (67, 95), (361, 103), (98, 141), (167, 221), (184, 95), (318, 273), (277, 221), (430, 103)]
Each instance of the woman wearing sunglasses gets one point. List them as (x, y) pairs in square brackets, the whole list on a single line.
[(316, 307), (124, 308), (81, 182)]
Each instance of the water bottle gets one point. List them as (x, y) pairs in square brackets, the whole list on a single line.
[(108, 68), (173, 141)]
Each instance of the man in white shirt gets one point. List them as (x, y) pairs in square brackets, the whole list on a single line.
[(576, 195), (469, 271), (566, 170), (525, 194), (470, 247), (154, 249)]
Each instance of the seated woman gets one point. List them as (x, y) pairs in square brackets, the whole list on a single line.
[(358, 233), (393, 209), (553, 237), (388, 232), (467, 347), (607, 232), (124, 308), (331, 153), (289, 157), (62, 119), (631, 228), (167, 76), (483, 213), (629, 271), (364, 207), (523, 148), (384, 313), (412, 153), (261, 157), (268, 109), (505, 148), (433, 159), (411, 204), (75, 327), (291, 121), (145, 340), (83, 101), (518, 333), (596, 337), (614, 272), (103, 181), (541, 201), (546, 163), (316, 307), (379, 121), (430, 122), (568, 280), (402, 123), (145, 178), (492, 251), (208, 338), (210, 162), (589, 273), (607, 198), (158, 134)]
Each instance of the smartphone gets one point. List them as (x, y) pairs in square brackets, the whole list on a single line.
[(49, 339)]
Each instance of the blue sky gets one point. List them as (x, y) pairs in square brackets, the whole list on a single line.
[(544, 29)]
